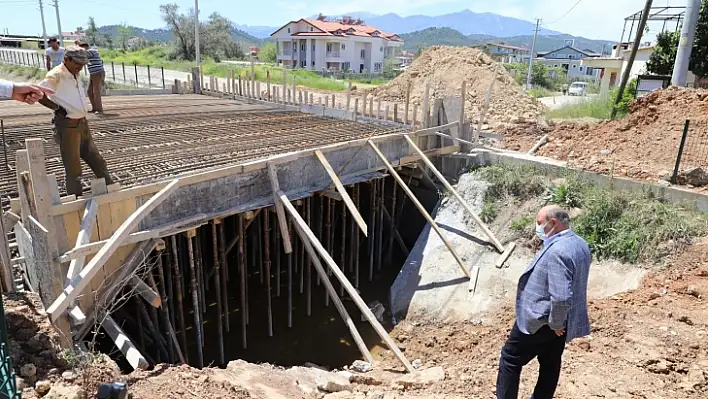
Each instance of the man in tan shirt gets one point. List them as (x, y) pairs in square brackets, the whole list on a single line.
[(71, 129)]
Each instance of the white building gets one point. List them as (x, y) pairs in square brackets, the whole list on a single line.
[(332, 46), (505, 53), (569, 58)]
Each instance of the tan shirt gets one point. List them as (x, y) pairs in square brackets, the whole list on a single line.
[(69, 91)]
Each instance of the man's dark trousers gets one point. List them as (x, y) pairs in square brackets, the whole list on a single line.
[(76, 143), (519, 350)]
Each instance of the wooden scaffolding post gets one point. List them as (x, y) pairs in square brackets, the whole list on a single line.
[(349, 95), (217, 285), (425, 120), (310, 240), (418, 205), (342, 191), (408, 102)]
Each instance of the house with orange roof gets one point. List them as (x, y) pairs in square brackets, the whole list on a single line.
[(332, 46)]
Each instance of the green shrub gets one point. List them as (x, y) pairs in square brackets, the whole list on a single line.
[(489, 212), (522, 223)]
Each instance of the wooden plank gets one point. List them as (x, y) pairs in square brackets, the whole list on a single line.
[(22, 166), (343, 192), (420, 207), (145, 291), (332, 194), (8, 284), (80, 282), (123, 343), (435, 129), (492, 238), (10, 218), (282, 220), (429, 153), (87, 222), (309, 237)]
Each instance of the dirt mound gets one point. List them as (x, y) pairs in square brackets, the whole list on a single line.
[(640, 146), (445, 68)]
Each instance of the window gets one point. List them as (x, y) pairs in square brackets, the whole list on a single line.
[(344, 47), (581, 69), (589, 71), (288, 30), (313, 64), (574, 66), (329, 47), (303, 64), (311, 30), (381, 49), (302, 47), (377, 67), (313, 47), (363, 54), (555, 65)]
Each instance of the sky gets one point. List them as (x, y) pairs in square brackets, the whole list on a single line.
[(595, 19)]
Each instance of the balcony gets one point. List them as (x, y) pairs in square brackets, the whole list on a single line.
[(333, 54)]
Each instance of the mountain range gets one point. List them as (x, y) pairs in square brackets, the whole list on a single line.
[(467, 22)]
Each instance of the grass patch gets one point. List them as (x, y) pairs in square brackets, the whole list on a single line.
[(23, 72), (595, 107), (538, 92), (489, 212), (630, 227), (522, 223)]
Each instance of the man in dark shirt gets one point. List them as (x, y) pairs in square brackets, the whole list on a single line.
[(97, 76)]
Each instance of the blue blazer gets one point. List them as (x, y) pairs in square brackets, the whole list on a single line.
[(553, 289)]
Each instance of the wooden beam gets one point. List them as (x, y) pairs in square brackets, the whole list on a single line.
[(435, 129), (335, 298), (123, 343), (84, 236), (309, 236), (282, 221), (420, 207), (82, 280), (11, 218), (343, 192), (145, 291), (332, 194), (22, 167), (492, 238), (429, 153), (8, 284)]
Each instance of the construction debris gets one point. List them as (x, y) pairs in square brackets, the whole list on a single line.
[(444, 68)]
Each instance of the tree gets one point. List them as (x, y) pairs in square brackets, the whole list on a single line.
[(92, 34), (79, 29), (268, 53), (349, 20), (699, 56), (661, 60), (321, 17), (124, 34)]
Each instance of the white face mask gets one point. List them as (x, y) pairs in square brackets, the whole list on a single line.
[(540, 231)]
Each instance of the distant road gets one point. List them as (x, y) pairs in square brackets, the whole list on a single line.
[(559, 101)]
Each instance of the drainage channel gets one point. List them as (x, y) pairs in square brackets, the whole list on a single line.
[(280, 313)]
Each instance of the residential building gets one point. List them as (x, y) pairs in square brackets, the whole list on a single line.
[(569, 58), (71, 37), (505, 53), (331, 46)]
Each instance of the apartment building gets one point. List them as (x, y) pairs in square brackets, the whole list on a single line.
[(505, 53), (331, 46), (571, 60)]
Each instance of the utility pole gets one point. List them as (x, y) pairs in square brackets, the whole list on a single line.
[(678, 78), (632, 56), (533, 50), (196, 31), (56, 8), (44, 27)]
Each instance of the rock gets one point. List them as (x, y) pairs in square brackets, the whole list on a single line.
[(693, 291), (314, 366), (660, 367), (421, 379), (333, 383), (664, 183), (28, 370), (20, 383), (402, 337), (695, 176), (67, 392), (377, 308), (375, 395), (344, 395), (417, 363), (665, 175), (42, 387), (461, 345), (685, 319), (604, 152), (654, 295), (361, 366), (69, 376), (402, 346), (366, 379), (695, 378)]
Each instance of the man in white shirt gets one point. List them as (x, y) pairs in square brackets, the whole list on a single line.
[(54, 54), (24, 92), (71, 129)]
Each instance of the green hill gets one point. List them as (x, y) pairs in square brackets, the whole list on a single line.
[(451, 37), (163, 35)]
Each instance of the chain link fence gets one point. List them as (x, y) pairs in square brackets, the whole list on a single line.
[(692, 157)]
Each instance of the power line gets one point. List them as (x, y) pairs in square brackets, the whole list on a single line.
[(566, 13)]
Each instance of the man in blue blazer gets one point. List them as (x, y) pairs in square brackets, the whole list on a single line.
[(551, 306)]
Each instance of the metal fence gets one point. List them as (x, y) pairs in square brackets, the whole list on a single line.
[(8, 385), (693, 150), (122, 76)]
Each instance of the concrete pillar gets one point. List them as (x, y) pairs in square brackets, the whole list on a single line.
[(308, 51), (605, 84)]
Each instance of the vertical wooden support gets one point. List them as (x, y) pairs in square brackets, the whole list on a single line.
[(425, 119), (311, 241), (363, 105), (372, 226), (386, 112), (182, 325), (378, 109), (395, 112), (334, 105), (326, 102), (242, 276), (307, 266), (299, 97), (300, 265), (312, 96), (201, 281), (379, 223), (240, 86), (290, 280), (415, 115), (164, 308), (234, 88), (195, 298), (326, 214), (420, 206), (224, 277), (277, 258), (23, 186), (392, 227), (349, 95), (217, 285), (259, 93), (343, 248), (371, 107), (353, 239), (259, 247), (407, 104), (306, 97), (356, 107), (8, 285), (51, 284), (294, 89), (266, 264)]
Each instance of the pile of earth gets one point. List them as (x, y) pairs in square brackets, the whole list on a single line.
[(642, 145), (444, 68)]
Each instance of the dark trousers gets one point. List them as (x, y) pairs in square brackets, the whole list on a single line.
[(76, 143), (519, 350), (95, 88)]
